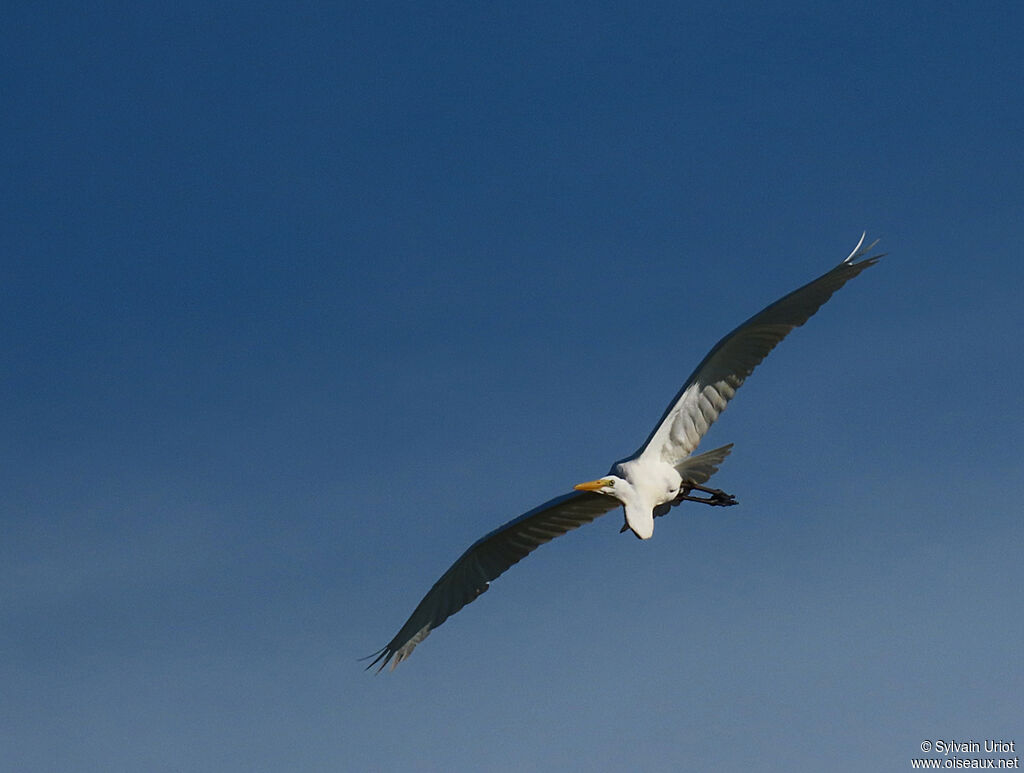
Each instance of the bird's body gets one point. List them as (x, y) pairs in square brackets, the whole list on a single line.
[(641, 485), (661, 474)]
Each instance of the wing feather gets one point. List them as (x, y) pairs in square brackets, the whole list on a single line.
[(488, 558), (714, 382)]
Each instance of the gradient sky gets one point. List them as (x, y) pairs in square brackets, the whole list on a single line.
[(299, 300)]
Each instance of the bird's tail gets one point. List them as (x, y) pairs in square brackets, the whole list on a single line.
[(697, 469)]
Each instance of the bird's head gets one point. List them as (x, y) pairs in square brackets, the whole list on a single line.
[(610, 485), (639, 513)]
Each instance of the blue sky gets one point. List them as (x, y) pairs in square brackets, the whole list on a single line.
[(300, 300)]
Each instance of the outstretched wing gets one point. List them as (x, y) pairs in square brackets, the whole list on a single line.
[(485, 560), (727, 365)]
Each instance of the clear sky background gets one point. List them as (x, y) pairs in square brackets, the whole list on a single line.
[(299, 300)]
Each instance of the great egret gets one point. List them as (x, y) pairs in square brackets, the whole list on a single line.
[(660, 475)]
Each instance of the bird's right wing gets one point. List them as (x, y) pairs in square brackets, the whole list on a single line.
[(727, 365), (486, 559)]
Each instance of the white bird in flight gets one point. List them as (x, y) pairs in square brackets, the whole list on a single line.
[(660, 475)]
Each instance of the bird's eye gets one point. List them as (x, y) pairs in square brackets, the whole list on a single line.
[(611, 484)]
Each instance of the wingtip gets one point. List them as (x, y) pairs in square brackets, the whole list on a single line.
[(394, 653), (860, 250), (382, 654)]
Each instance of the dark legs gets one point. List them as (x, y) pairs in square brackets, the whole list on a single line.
[(716, 498)]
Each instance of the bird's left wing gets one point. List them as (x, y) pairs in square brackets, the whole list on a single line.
[(727, 365), (485, 560)]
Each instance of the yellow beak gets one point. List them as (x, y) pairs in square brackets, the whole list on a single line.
[(593, 485)]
